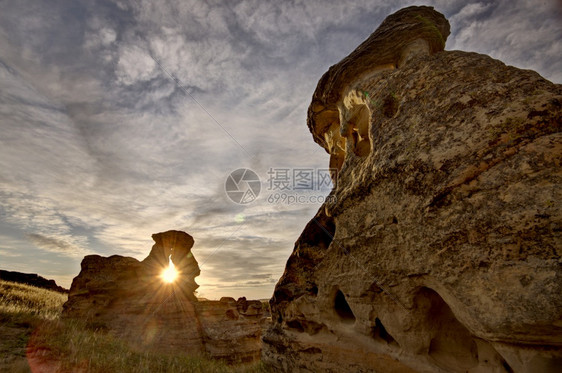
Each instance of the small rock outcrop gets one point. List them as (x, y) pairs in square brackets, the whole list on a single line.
[(440, 250), (130, 299), (31, 279)]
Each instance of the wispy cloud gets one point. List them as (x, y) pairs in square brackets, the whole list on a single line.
[(56, 244)]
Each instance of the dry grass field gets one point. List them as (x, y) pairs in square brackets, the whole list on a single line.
[(35, 339)]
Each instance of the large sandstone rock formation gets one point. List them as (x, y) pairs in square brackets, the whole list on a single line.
[(129, 298), (441, 249)]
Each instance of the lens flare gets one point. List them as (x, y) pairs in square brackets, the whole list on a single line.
[(170, 274)]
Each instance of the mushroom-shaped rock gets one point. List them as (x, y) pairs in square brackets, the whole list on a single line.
[(338, 117)]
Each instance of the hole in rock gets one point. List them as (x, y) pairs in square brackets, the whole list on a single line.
[(379, 332), (319, 231), (170, 273), (359, 121), (232, 315), (281, 295), (390, 106), (295, 325), (452, 346), (305, 326), (342, 308)]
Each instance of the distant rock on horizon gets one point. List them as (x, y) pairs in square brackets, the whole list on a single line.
[(440, 248), (32, 279)]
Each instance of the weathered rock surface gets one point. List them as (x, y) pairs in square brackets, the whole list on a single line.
[(441, 252), (31, 279), (129, 298), (232, 328)]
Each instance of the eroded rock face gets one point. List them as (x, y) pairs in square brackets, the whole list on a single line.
[(441, 252), (129, 298), (338, 116), (232, 329)]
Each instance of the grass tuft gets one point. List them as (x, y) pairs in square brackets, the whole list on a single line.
[(19, 300)]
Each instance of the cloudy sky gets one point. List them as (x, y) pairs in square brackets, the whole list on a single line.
[(119, 119)]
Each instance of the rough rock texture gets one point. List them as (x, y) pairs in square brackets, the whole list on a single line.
[(232, 328), (406, 34), (129, 298), (31, 279), (441, 252)]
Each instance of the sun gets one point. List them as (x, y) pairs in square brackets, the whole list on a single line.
[(170, 274)]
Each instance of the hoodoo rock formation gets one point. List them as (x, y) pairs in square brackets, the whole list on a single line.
[(441, 251), (130, 299)]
